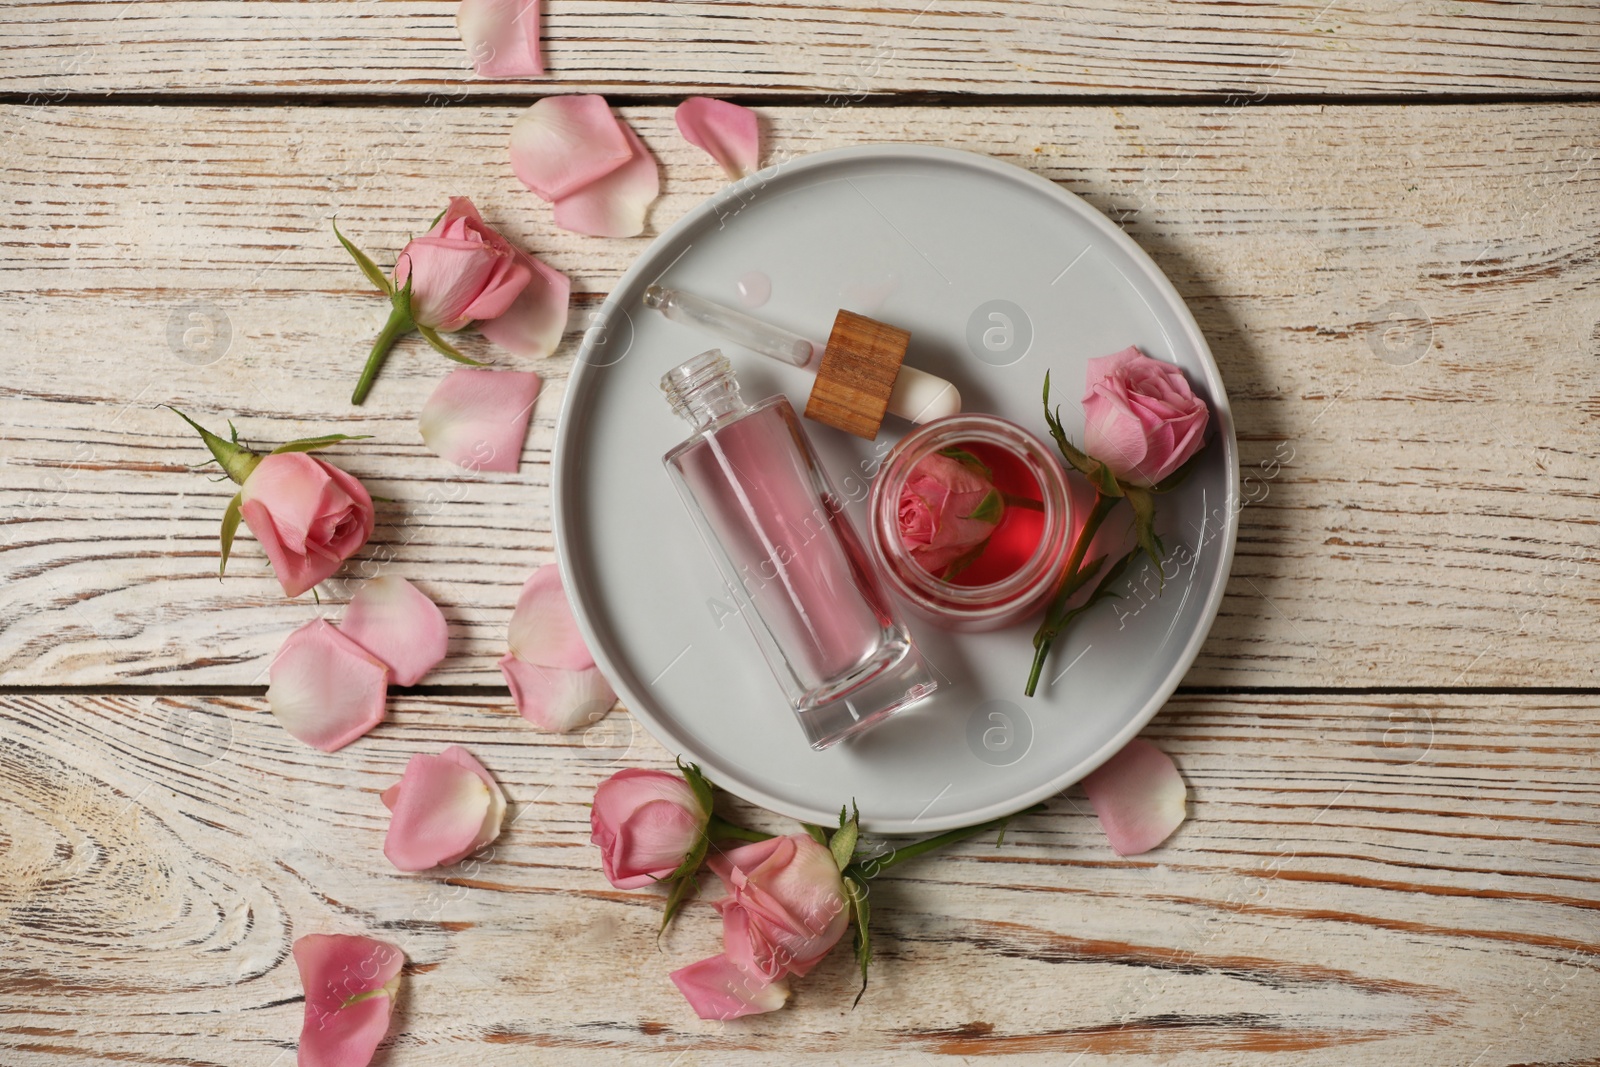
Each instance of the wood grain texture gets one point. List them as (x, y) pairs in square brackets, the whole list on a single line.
[(1406, 880), (1425, 524), (1096, 47)]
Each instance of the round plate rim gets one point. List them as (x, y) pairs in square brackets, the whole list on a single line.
[(736, 780)]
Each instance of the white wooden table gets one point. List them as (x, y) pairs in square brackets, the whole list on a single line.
[(1385, 218)]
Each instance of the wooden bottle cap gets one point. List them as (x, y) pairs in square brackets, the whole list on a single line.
[(857, 374)]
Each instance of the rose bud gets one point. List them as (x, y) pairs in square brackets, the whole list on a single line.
[(785, 907), (461, 272), (645, 823), (309, 515), (948, 510), (1141, 419)]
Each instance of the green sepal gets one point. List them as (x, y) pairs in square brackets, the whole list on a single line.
[(991, 509), (369, 268), (843, 844), (699, 783), (818, 834), (431, 336), (967, 459), (230, 526), (684, 882), (311, 444), (1175, 479), (1098, 473), (856, 895), (963, 561), (1144, 525), (235, 460)]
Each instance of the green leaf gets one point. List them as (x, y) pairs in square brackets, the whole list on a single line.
[(1101, 591), (311, 444), (235, 460), (843, 845), (1144, 520), (439, 343), (818, 834), (230, 526), (967, 459), (990, 509), (1175, 479), (369, 268), (856, 894)]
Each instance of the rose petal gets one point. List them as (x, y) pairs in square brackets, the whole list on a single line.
[(564, 143), (324, 688), (717, 989), (350, 984), (729, 133), (497, 799), (616, 205), (543, 630), (478, 419), (1139, 796), (397, 623), (445, 806), (557, 700), (502, 37), (533, 325)]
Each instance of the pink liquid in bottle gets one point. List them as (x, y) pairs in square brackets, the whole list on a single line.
[(790, 558)]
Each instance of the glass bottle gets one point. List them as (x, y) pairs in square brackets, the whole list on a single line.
[(776, 528)]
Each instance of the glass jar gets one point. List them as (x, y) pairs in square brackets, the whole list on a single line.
[(1011, 573)]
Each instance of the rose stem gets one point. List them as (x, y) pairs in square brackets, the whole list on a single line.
[(399, 322), (1070, 583), (949, 837), (720, 827)]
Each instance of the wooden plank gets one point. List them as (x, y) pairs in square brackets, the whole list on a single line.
[(1116, 47), (1427, 524), (1361, 881)]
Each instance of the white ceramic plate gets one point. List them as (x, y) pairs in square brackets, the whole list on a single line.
[(930, 240)]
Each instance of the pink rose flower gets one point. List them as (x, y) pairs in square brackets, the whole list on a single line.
[(1141, 419), (947, 509), (784, 911), (645, 823), (309, 515), (460, 271)]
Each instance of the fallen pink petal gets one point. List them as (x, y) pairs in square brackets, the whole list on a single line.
[(325, 689), (557, 700), (565, 143), (717, 988), (478, 419), (1139, 796), (730, 134), (502, 37), (397, 623), (350, 984), (616, 205), (443, 809), (543, 630), (532, 326)]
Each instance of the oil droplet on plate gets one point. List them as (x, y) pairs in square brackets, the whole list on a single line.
[(755, 289)]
